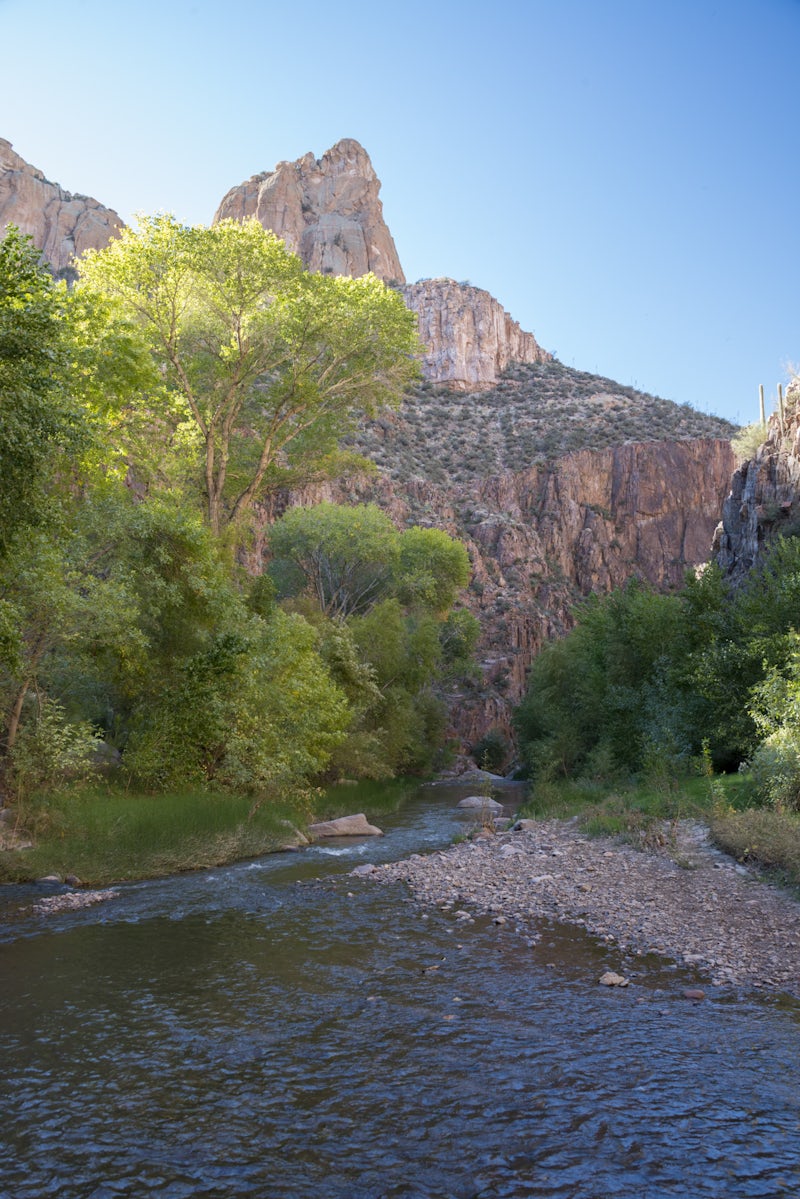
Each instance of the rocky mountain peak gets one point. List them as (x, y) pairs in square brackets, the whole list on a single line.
[(62, 224), (327, 210)]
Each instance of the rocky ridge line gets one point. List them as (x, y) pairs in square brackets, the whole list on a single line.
[(62, 224), (328, 210)]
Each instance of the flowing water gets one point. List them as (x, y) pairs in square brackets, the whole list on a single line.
[(279, 1029)]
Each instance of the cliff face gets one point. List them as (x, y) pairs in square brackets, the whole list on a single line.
[(61, 224), (543, 538), (764, 497), (327, 210), (470, 339)]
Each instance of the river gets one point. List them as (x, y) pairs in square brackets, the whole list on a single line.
[(279, 1029)]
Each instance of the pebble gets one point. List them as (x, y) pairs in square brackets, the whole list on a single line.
[(610, 979)]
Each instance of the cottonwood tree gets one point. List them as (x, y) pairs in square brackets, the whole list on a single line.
[(271, 365), (39, 418)]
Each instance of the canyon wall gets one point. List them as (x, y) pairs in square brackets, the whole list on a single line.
[(62, 224), (764, 497), (468, 336), (541, 539), (327, 210)]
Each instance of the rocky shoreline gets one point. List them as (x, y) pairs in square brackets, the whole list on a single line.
[(684, 900)]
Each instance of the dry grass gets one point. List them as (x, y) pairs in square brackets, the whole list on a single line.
[(535, 414), (760, 835)]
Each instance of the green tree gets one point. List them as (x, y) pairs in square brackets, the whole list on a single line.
[(270, 364), (432, 568), (39, 418), (345, 557)]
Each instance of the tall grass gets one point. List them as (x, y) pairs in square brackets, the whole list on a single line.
[(637, 812), (105, 835)]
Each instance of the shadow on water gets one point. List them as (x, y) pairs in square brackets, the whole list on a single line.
[(280, 1029)]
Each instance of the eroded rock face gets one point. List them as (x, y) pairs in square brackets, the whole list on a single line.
[(327, 210), (62, 224), (764, 496), (543, 538), (469, 337)]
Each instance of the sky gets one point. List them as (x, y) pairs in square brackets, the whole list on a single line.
[(622, 175)]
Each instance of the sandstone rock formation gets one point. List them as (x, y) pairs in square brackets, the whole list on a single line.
[(469, 337), (62, 224), (764, 497), (327, 210)]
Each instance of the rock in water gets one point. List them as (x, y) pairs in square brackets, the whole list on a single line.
[(610, 979), (344, 826), (480, 803)]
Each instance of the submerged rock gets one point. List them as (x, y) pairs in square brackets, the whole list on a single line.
[(610, 979)]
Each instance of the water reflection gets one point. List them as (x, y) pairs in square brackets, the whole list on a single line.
[(279, 1029)]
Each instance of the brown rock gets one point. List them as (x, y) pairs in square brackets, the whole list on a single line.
[(327, 210), (344, 826), (62, 224), (764, 497), (469, 337), (610, 979)]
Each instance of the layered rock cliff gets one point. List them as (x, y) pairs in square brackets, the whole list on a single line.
[(468, 336), (327, 210), (764, 497), (62, 224)]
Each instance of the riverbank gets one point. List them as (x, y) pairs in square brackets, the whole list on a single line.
[(685, 899), (106, 835)]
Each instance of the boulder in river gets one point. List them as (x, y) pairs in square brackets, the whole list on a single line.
[(480, 803), (344, 826)]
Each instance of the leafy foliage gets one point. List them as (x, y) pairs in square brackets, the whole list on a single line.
[(267, 365), (39, 419)]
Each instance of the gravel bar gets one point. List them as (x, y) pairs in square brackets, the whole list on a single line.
[(685, 899)]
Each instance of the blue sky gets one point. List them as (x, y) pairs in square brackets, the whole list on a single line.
[(623, 175)]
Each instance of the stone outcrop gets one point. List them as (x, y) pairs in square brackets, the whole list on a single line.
[(327, 210), (468, 336), (764, 497), (62, 224)]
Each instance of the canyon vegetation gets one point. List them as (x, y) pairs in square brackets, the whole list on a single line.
[(273, 517)]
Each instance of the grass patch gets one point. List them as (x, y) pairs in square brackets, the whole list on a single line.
[(634, 810), (637, 813), (106, 835), (762, 836)]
